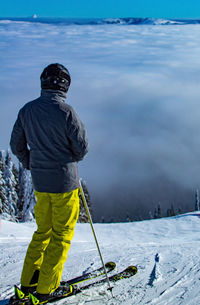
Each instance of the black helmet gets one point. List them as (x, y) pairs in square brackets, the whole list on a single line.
[(55, 77)]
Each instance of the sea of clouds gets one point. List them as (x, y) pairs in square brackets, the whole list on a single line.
[(137, 90)]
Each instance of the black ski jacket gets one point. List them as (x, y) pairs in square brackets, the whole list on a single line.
[(49, 139)]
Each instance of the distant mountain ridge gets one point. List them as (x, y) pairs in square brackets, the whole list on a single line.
[(96, 21)]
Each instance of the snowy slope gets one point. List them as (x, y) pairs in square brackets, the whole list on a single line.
[(166, 252)]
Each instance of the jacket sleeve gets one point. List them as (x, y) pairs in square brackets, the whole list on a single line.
[(77, 136), (18, 143)]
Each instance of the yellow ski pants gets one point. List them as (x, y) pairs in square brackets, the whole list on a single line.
[(56, 215)]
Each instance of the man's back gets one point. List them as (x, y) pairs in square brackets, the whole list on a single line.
[(56, 138)]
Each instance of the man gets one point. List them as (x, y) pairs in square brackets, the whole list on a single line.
[(49, 139)]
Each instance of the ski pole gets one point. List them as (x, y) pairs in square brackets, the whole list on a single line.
[(94, 234)]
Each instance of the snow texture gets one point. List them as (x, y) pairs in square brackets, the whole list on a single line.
[(166, 252)]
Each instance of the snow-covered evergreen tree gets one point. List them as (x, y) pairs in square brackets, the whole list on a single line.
[(159, 211), (3, 200), (172, 210), (180, 210), (197, 200), (102, 219), (128, 219), (21, 191), (155, 214), (10, 186), (168, 212), (82, 214), (30, 200), (150, 215), (26, 196)]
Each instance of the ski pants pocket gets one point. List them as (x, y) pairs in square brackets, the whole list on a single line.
[(56, 215)]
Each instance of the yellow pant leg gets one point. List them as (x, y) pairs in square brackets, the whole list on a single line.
[(40, 239), (65, 212)]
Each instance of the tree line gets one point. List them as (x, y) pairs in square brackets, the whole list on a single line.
[(17, 198), (158, 213)]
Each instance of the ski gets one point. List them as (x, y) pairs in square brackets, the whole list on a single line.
[(20, 299), (125, 274), (76, 289), (110, 266)]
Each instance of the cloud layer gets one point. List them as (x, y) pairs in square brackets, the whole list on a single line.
[(137, 90)]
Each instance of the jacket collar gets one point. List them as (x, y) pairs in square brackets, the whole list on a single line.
[(54, 94)]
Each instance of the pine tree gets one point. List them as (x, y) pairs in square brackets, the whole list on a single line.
[(150, 215), (197, 200), (172, 210), (169, 213), (159, 211), (82, 214), (21, 191), (10, 186), (102, 219), (128, 219), (1, 206), (180, 210), (155, 214), (3, 199), (30, 200), (26, 196), (16, 177)]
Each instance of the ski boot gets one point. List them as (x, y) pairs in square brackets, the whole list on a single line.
[(61, 292), (20, 296)]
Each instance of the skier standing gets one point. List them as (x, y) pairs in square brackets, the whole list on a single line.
[(49, 139)]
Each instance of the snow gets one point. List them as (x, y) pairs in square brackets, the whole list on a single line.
[(166, 252)]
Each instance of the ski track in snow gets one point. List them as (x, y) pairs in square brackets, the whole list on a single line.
[(166, 252)]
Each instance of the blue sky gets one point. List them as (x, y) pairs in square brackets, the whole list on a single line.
[(101, 8)]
